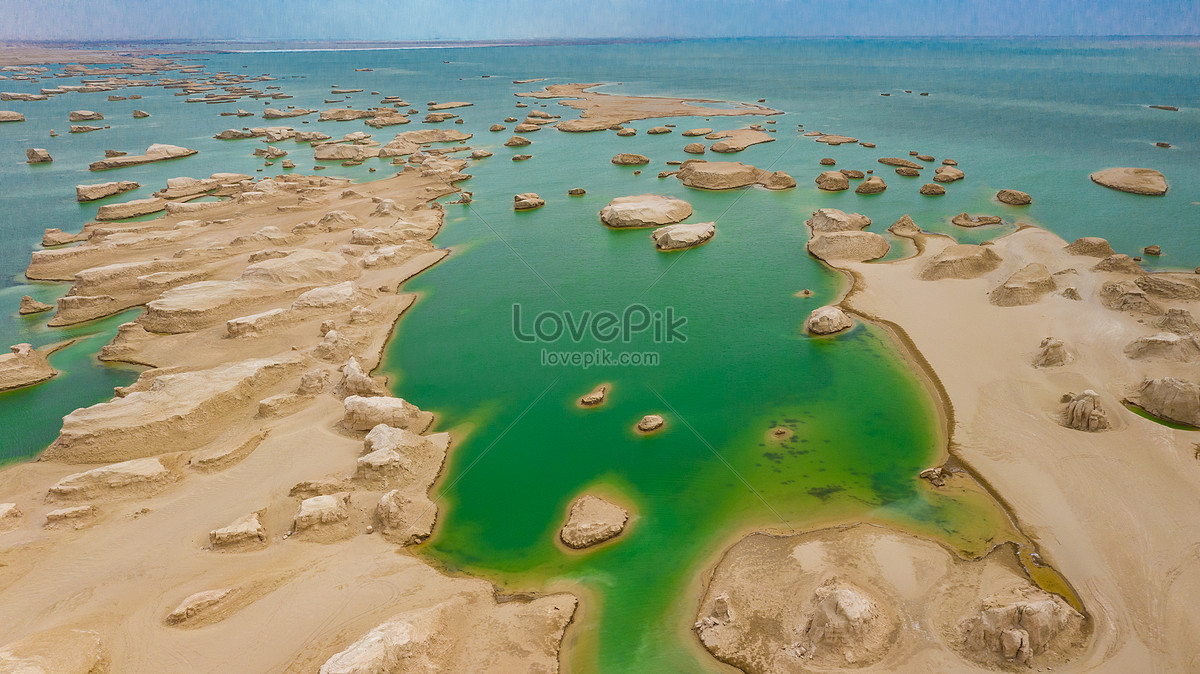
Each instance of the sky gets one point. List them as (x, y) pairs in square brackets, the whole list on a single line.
[(404, 20)]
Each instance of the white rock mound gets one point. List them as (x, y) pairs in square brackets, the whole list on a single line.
[(827, 320), (645, 210)]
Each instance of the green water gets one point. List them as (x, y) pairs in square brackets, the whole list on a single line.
[(1031, 115)]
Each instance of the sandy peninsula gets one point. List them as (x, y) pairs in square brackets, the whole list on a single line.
[(1058, 337), (259, 471)]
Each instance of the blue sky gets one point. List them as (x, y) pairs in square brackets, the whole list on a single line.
[(510, 19)]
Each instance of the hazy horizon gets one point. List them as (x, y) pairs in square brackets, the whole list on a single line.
[(470, 20)]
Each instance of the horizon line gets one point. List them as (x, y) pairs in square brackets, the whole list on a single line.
[(611, 39)]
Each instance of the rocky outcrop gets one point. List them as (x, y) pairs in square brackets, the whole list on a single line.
[(101, 190), (872, 185), (1171, 399), (832, 181), (519, 141), (827, 320), (1126, 296), (595, 397), (646, 210), (1025, 286), (527, 201), (1178, 321), (932, 190), (154, 153), (835, 220), (10, 116), (25, 366), (364, 413), (851, 246), (326, 509), (900, 162), (37, 155), (84, 116), (676, 237), (650, 423), (630, 159), (842, 622), (722, 175), (905, 227), (137, 477), (844, 598), (592, 520), (1013, 197), (961, 261), (1015, 627), (243, 533), (172, 415), (1091, 246), (947, 174), (1085, 413), (694, 148), (131, 209), (1119, 263), (32, 306), (965, 220), (1133, 180), (1171, 287), (1052, 353), (1165, 346)]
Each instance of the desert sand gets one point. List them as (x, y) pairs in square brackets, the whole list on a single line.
[(1108, 506), (262, 476)]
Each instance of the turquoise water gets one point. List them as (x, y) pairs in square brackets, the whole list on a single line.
[(1031, 115)]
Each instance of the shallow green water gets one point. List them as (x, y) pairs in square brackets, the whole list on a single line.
[(1031, 115)]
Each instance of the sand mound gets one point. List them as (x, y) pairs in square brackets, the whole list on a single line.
[(1025, 286), (59, 651), (1091, 246), (961, 261), (469, 632), (1052, 353), (1165, 346), (865, 595)]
